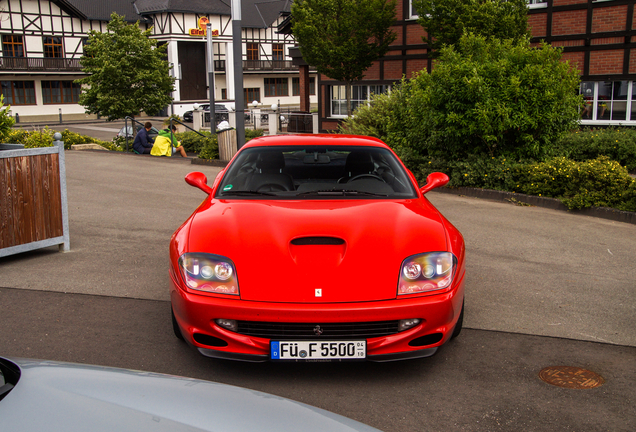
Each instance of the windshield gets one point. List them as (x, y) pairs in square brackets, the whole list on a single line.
[(311, 172)]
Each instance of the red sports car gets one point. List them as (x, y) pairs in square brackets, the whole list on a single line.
[(316, 248)]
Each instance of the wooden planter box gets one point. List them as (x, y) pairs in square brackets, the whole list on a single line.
[(33, 200)]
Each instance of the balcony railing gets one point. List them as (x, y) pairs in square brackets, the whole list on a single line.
[(41, 64), (259, 65)]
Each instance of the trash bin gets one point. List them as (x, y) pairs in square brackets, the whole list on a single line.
[(227, 144)]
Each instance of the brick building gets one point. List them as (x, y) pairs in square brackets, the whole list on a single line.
[(598, 38)]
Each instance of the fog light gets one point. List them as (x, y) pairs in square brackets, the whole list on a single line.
[(227, 324), (407, 324)]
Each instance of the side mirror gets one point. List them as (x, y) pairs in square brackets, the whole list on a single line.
[(434, 180), (199, 180)]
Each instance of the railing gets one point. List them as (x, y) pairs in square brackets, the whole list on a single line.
[(219, 65), (40, 64)]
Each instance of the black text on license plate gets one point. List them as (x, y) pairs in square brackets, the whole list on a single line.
[(310, 350)]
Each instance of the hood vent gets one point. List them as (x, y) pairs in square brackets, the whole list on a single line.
[(307, 241)]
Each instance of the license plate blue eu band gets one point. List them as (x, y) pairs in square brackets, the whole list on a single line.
[(311, 350)]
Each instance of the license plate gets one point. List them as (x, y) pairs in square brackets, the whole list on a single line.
[(321, 350)]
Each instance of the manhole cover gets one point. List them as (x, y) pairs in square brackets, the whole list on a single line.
[(571, 377)]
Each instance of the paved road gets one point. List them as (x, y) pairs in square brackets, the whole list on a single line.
[(542, 286)]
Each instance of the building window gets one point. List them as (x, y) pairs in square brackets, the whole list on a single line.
[(53, 46), (12, 46), (608, 101), (359, 95), (413, 12), (251, 95), (278, 52), (532, 4), (252, 51), (296, 86), (60, 92), (18, 92), (276, 87)]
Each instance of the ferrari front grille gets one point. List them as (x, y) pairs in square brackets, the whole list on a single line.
[(289, 331)]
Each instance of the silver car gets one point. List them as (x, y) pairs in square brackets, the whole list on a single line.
[(51, 396)]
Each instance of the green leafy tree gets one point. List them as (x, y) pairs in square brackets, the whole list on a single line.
[(446, 21), (127, 72), (485, 97), (342, 38), (6, 121)]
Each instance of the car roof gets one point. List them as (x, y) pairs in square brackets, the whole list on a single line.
[(318, 139)]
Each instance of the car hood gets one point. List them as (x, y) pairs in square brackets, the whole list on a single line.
[(53, 396), (279, 250)]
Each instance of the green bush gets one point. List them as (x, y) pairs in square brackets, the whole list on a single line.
[(17, 136), (210, 149), (192, 142), (479, 172), (485, 97), (253, 133), (618, 144), (43, 138), (598, 182), (6, 121), (70, 138)]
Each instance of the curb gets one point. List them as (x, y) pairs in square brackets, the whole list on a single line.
[(210, 162), (550, 203), (90, 146)]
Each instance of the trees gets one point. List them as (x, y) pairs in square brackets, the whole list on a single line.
[(127, 72), (342, 38), (446, 21), (6, 121), (484, 98)]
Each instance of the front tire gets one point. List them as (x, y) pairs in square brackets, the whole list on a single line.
[(460, 323), (175, 327)]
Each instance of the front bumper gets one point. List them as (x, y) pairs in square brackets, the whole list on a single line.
[(195, 315)]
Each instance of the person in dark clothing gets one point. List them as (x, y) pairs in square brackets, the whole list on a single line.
[(143, 143)]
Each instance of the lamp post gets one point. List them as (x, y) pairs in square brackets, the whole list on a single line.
[(254, 105), (237, 46), (211, 77)]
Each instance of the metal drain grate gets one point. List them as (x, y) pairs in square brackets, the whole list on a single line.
[(571, 377)]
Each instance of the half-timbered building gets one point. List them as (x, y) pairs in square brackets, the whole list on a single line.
[(42, 42)]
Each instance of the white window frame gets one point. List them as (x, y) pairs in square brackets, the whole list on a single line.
[(537, 4), (630, 118), (412, 14), (343, 97)]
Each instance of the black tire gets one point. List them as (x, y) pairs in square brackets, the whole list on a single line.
[(460, 323), (175, 327)]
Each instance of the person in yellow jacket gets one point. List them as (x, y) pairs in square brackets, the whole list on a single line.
[(166, 144)]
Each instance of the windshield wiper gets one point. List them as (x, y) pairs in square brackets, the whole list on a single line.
[(341, 192), (248, 192)]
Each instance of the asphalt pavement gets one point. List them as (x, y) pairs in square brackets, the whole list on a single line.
[(544, 288)]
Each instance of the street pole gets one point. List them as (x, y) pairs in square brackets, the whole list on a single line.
[(237, 48), (211, 78)]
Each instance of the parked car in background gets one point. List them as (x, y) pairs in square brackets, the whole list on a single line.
[(317, 248), (38, 395), (220, 111)]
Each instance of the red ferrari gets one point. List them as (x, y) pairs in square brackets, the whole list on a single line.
[(316, 248)]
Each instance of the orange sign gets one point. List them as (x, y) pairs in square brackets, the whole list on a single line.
[(201, 31)]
